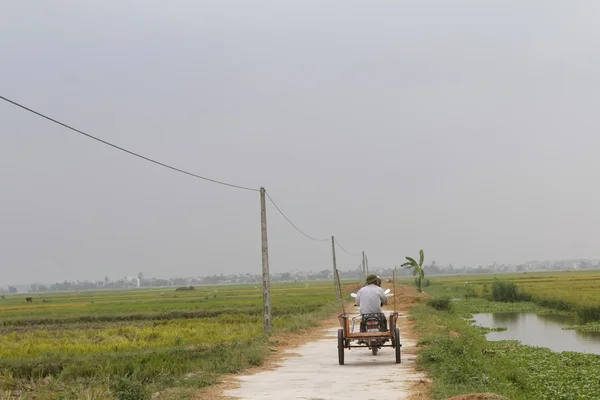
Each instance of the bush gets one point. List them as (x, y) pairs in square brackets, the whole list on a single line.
[(508, 292), (126, 388), (424, 283), (588, 314), (441, 303), (184, 288)]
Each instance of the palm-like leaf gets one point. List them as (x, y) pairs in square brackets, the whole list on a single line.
[(412, 262), (417, 267)]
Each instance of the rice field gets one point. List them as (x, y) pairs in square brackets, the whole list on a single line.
[(576, 292), (131, 344)]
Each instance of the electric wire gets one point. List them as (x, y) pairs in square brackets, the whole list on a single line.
[(127, 151), (171, 168), (346, 251), (291, 223)]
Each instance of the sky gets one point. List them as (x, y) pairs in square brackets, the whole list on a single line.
[(466, 128)]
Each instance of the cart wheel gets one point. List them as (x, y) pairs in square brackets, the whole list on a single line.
[(341, 346), (374, 350), (397, 345)]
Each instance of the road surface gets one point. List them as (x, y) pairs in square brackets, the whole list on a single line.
[(311, 372)]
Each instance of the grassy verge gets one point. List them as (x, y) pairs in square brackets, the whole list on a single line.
[(460, 360)]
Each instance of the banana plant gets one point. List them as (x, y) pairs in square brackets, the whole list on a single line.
[(417, 268)]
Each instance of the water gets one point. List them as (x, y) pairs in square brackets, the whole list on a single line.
[(541, 330)]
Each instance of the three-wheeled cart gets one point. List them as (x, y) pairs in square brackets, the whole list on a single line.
[(349, 338)]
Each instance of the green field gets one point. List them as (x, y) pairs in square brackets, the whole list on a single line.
[(574, 292), (461, 361), (130, 344)]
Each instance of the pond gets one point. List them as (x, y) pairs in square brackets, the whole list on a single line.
[(541, 330)]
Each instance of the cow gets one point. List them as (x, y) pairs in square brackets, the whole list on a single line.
[(29, 299)]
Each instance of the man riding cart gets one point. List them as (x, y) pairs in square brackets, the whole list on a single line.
[(370, 298)]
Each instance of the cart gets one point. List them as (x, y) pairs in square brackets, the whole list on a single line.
[(348, 338)]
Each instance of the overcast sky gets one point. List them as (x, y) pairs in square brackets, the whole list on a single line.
[(466, 128)]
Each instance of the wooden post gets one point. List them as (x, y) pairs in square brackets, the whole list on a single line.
[(337, 276), (265, 264), (394, 280), (335, 281)]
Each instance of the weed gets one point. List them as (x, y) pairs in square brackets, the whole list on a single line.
[(129, 388), (508, 292), (185, 288), (441, 304)]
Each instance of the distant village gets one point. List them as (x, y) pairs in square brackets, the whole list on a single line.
[(140, 281)]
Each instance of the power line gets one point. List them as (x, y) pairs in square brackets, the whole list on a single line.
[(128, 151), (168, 167), (291, 223), (346, 251)]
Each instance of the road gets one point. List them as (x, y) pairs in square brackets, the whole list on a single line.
[(311, 370)]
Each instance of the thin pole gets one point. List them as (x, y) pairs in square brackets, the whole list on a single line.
[(363, 264), (337, 275), (394, 280), (265, 264), (367, 263), (335, 282)]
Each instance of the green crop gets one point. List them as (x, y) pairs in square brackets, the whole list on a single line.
[(99, 344)]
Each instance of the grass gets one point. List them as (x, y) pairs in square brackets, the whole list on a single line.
[(460, 360), (129, 344), (574, 292), (464, 362)]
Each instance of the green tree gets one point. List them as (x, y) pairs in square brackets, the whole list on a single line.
[(417, 268)]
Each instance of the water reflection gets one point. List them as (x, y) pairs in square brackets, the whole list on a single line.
[(542, 330)]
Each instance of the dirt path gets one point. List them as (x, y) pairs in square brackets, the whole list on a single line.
[(311, 371)]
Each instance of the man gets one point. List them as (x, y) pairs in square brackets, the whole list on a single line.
[(371, 297)]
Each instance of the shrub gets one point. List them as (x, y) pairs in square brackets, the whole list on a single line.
[(424, 282), (440, 303), (588, 314), (508, 292), (126, 388), (184, 288)]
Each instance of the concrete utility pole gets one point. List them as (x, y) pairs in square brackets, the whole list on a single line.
[(335, 281), (363, 264), (265, 263)]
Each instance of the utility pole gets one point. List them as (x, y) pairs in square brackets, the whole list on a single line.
[(335, 277), (363, 264), (265, 264), (367, 263)]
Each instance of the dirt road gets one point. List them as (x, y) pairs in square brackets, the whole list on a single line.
[(311, 371)]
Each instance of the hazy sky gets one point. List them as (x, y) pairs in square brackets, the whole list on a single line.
[(467, 128)]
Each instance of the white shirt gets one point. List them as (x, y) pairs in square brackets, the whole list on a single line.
[(369, 298)]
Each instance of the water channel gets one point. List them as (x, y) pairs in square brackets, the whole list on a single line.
[(541, 330)]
